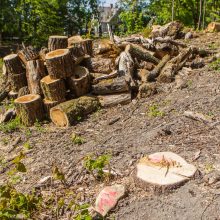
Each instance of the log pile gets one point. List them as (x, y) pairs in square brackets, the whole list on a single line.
[(74, 76)]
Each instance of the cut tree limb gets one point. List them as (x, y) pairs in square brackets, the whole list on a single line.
[(27, 54), (57, 42), (68, 113), (109, 76), (48, 104), (29, 108)]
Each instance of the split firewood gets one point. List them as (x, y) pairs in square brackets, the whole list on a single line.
[(59, 64), (140, 53), (53, 89), (109, 76), (197, 116), (171, 68), (57, 42), (29, 108), (35, 71), (13, 64), (70, 112), (27, 54), (110, 86), (79, 83), (23, 91), (156, 71), (17, 81)]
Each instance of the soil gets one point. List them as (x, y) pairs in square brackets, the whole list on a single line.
[(129, 132)]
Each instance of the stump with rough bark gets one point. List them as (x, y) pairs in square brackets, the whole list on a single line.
[(74, 39), (17, 81), (13, 64), (29, 108), (27, 54), (59, 64), (70, 112), (77, 54), (57, 42), (53, 89), (48, 104), (35, 71), (23, 91), (43, 53), (79, 83), (85, 44)]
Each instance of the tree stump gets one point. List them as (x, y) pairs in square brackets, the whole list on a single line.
[(70, 112), (57, 42), (79, 83), (53, 89), (13, 64), (48, 104), (29, 108), (35, 71), (77, 54), (59, 64), (17, 81), (23, 91), (74, 39), (27, 54), (85, 44)]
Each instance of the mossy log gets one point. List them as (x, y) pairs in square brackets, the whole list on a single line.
[(13, 64), (57, 42), (140, 53), (79, 83), (68, 113), (53, 89), (27, 54), (59, 64), (110, 86), (35, 71), (23, 91), (48, 104), (17, 81), (29, 108)]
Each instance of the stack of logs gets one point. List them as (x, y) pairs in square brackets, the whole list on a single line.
[(73, 77)]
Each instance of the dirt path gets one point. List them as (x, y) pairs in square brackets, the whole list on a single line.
[(134, 134)]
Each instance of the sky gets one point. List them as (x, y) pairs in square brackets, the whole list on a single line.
[(107, 2)]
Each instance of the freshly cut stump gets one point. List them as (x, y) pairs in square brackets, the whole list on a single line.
[(59, 63), (163, 171), (17, 81), (48, 104), (35, 71), (53, 89), (85, 44), (23, 91), (29, 108), (13, 64), (79, 83), (110, 86), (57, 42), (68, 113), (27, 54)]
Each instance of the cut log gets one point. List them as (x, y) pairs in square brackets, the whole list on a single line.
[(163, 171), (29, 108), (23, 91), (53, 89), (59, 64), (77, 54), (79, 83), (97, 65), (171, 68), (85, 44), (48, 104), (103, 76), (35, 71), (43, 53), (27, 54), (140, 53), (74, 39), (57, 42), (17, 81), (162, 49), (113, 100), (68, 113), (110, 86), (13, 64), (156, 71)]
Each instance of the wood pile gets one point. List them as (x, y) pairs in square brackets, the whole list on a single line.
[(74, 76)]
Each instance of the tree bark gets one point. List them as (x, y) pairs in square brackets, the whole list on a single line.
[(43, 53), (27, 54), (17, 81), (70, 112), (48, 104), (86, 45), (77, 54), (35, 71), (59, 64), (53, 89), (23, 91), (57, 42), (30, 109)]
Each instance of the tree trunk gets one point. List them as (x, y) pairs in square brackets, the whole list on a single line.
[(70, 112), (173, 5), (77, 54), (79, 83), (59, 64), (13, 64), (57, 42), (200, 15), (27, 54), (111, 86), (23, 91), (86, 45), (30, 109), (17, 81), (53, 89), (43, 53), (35, 72), (204, 15)]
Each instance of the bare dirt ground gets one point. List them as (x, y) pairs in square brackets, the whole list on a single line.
[(128, 132)]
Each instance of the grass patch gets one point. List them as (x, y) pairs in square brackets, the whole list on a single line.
[(154, 111), (215, 65), (12, 125), (77, 139)]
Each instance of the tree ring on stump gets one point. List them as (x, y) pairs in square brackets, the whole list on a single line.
[(56, 53), (59, 118), (27, 98)]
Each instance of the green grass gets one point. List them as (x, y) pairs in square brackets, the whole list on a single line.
[(215, 65), (153, 111), (12, 125)]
